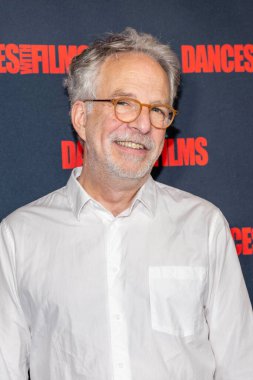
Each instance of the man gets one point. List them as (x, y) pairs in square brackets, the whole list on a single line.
[(116, 276)]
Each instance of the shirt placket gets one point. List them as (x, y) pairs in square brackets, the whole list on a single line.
[(118, 325)]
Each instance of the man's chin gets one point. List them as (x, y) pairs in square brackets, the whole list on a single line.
[(131, 173)]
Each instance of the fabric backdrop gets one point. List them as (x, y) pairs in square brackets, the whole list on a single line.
[(208, 151)]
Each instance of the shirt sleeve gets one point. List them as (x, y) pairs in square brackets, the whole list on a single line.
[(14, 332), (229, 311)]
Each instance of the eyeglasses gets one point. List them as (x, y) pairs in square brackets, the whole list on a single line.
[(128, 110)]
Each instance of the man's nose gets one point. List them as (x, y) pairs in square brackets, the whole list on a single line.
[(142, 123)]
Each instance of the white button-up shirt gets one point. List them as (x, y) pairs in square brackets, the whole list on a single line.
[(155, 293)]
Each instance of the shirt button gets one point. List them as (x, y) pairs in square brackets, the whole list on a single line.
[(115, 269), (121, 365), (117, 317)]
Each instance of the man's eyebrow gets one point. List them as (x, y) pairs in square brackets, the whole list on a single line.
[(120, 93)]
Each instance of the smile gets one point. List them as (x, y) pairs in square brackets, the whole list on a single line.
[(130, 144)]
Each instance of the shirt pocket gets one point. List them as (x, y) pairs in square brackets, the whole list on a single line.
[(176, 299)]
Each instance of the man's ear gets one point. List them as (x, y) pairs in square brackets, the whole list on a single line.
[(79, 118)]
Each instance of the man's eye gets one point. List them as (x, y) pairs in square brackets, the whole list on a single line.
[(158, 110), (123, 103)]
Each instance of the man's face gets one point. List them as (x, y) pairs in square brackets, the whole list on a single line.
[(116, 148)]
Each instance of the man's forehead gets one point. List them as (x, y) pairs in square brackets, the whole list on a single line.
[(131, 67)]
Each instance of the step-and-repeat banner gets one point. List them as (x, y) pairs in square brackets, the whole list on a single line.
[(208, 151)]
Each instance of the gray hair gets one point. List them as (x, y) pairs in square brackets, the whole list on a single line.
[(81, 81)]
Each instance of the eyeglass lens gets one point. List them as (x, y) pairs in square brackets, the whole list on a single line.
[(128, 110)]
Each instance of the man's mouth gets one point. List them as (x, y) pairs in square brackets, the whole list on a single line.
[(130, 144)]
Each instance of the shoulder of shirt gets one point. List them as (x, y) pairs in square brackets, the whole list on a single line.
[(187, 200), (57, 199)]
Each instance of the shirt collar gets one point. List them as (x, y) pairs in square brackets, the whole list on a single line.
[(78, 197), (76, 194), (147, 196)]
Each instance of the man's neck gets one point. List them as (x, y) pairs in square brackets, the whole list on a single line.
[(115, 194)]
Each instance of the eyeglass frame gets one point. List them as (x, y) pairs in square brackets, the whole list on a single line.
[(115, 101)]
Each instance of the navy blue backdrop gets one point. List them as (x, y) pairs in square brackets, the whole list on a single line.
[(211, 154)]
